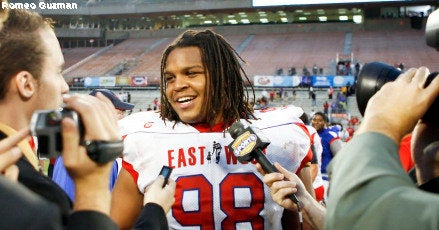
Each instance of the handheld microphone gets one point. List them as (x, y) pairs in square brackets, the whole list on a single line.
[(248, 144)]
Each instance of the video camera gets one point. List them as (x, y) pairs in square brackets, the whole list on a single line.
[(46, 126), (375, 74)]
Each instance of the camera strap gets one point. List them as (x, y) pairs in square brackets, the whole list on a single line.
[(104, 151), (23, 145)]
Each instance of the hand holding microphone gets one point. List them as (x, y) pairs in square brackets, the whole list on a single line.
[(248, 144)]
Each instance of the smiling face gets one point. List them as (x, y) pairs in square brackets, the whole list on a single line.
[(185, 82), (318, 122)]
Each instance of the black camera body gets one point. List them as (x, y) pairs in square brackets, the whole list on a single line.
[(46, 127), (374, 75)]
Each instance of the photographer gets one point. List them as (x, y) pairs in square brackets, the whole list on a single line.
[(30, 69), (386, 193)]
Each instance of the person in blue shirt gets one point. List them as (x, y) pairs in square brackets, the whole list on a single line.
[(60, 175), (331, 144)]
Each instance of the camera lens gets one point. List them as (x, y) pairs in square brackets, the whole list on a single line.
[(370, 79), (374, 75), (54, 118)]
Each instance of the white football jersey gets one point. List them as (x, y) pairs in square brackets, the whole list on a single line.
[(214, 190)]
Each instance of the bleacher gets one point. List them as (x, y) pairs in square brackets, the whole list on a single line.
[(148, 62), (73, 56), (120, 55), (267, 52), (393, 47)]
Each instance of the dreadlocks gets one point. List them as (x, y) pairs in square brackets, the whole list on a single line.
[(226, 93)]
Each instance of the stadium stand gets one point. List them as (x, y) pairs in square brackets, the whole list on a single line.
[(267, 52), (407, 46), (73, 56), (114, 60)]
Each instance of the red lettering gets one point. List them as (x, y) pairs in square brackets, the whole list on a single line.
[(230, 157), (181, 158), (203, 216), (170, 158), (192, 158), (186, 157), (202, 148)]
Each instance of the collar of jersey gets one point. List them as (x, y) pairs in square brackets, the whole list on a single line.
[(205, 128)]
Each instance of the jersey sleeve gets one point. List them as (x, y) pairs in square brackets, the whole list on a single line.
[(309, 154), (132, 158)]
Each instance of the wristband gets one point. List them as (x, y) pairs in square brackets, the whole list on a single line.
[(104, 151)]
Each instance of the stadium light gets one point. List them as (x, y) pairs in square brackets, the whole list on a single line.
[(233, 21), (343, 18), (358, 19)]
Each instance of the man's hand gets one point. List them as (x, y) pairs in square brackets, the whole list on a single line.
[(163, 196), (396, 108), (280, 188)]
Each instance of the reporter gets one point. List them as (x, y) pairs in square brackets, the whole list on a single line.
[(34, 82), (388, 196), (30, 68)]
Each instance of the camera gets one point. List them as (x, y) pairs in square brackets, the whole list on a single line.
[(374, 75), (46, 127)]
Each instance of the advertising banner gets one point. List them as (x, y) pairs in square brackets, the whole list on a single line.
[(263, 81), (322, 81), (340, 81), (107, 81), (123, 81), (139, 81), (91, 82), (306, 81), (282, 81), (296, 81)]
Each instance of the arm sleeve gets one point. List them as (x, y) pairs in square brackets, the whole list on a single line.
[(370, 190), (23, 209), (152, 217), (63, 179)]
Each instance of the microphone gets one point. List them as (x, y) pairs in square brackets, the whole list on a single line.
[(248, 144)]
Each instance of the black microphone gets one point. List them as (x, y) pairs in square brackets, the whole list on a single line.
[(248, 144)]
